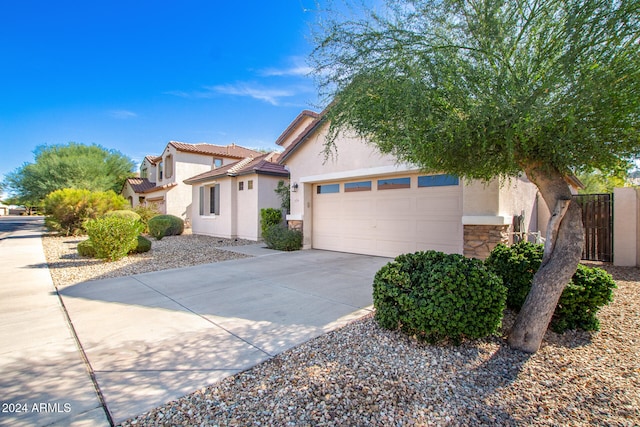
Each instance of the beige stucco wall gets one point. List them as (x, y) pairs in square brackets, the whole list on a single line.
[(239, 210), (483, 204), (626, 227)]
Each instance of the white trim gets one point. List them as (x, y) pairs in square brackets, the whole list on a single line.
[(358, 173), (297, 217), (486, 220)]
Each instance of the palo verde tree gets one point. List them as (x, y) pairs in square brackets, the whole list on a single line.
[(489, 89), (78, 166)]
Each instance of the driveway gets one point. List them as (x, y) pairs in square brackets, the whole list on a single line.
[(154, 337)]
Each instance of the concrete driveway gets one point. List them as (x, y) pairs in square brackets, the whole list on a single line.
[(154, 337)]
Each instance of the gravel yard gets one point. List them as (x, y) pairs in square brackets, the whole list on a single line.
[(363, 375)]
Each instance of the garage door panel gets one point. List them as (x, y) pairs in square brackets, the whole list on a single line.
[(388, 222)]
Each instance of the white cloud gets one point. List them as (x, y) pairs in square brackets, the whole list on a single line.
[(298, 67), (270, 95), (122, 114)]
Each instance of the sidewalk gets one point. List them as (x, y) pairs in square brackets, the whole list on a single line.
[(43, 377)]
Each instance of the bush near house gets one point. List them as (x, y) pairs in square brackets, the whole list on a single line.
[(69, 208), (590, 289), (86, 249), (281, 238), (113, 237), (268, 218), (124, 213), (165, 225), (435, 296), (146, 212)]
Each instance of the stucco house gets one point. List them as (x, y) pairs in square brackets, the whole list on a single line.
[(227, 200), (359, 200), (161, 180)]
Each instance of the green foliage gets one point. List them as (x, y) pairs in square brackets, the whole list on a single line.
[(281, 238), (486, 89), (268, 218), (143, 245), (436, 296), (88, 167), (147, 212), (597, 182), (124, 213), (169, 225), (113, 237), (283, 190), (158, 228), (588, 291), (85, 248), (69, 208), (516, 265)]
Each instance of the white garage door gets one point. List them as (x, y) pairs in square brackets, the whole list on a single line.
[(389, 216)]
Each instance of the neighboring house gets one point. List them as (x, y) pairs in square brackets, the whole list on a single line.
[(227, 200), (356, 199), (161, 177), (4, 209)]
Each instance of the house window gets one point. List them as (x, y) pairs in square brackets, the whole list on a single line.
[(168, 169), (160, 171), (328, 188), (350, 187), (437, 180), (250, 184), (241, 185), (209, 203), (217, 163), (394, 183), (144, 173)]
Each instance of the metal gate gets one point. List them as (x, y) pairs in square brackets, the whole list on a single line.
[(597, 217)]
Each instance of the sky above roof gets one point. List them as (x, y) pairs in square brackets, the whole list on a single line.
[(134, 75)]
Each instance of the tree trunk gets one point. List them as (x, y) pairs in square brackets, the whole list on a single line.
[(563, 250)]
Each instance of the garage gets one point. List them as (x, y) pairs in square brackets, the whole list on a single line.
[(388, 215)]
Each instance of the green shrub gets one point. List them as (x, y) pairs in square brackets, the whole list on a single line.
[(113, 237), (170, 225), (588, 291), (516, 265), (144, 245), (124, 213), (159, 227), (435, 296), (147, 212), (85, 248), (281, 238), (268, 218), (68, 209)]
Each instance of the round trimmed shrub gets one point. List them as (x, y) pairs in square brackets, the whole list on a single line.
[(113, 237), (85, 248), (435, 296), (170, 225), (124, 213), (144, 245), (517, 265), (588, 291)]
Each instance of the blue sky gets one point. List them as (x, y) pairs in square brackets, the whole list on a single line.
[(133, 75)]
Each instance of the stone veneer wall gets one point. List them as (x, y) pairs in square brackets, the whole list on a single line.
[(295, 225), (479, 240)]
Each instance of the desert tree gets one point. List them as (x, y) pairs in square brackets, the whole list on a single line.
[(488, 89), (72, 165)]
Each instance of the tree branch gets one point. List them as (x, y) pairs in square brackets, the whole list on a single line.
[(554, 225)]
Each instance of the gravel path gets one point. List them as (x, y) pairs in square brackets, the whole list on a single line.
[(68, 268), (364, 375)]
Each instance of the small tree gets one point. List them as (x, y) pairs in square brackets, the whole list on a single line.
[(283, 190), (493, 88)]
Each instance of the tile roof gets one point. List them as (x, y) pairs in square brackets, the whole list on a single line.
[(259, 165), (153, 159), (159, 187), (140, 185), (231, 150), (294, 123), (304, 135)]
